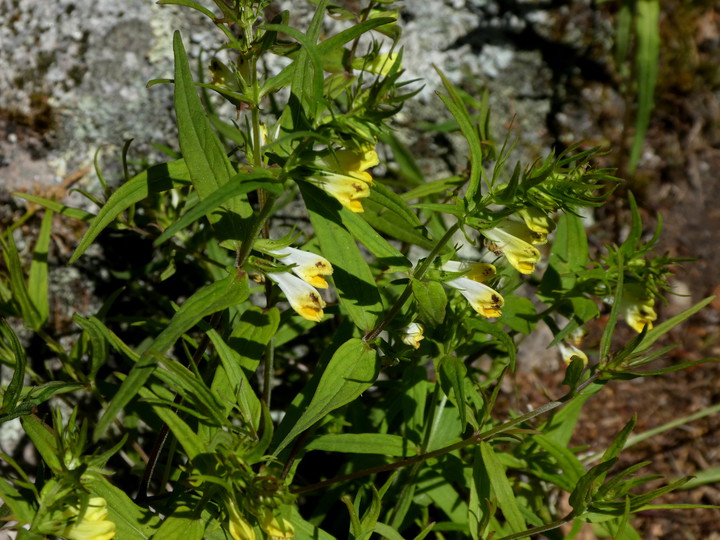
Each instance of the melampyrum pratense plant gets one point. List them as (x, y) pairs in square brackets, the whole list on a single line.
[(327, 361)]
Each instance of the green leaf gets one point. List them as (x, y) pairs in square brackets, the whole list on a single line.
[(587, 486), (44, 441), (519, 314), (387, 212), (30, 315), (183, 523), (570, 468), (231, 384), (352, 277), (369, 237), (192, 444), (431, 300), (21, 508), (457, 108), (501, 487), (215, 297), (306, 87), (14, 389), (38, 278), (452, 371), (352, 370), (209, 167), (238, 185), (503, 338), (156, 179), (132, 522), (96, 333), (363, 443), (57, 207)]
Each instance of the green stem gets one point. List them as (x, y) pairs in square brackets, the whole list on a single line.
[(418, 274)]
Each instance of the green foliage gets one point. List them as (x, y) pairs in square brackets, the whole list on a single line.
[(235, 399)]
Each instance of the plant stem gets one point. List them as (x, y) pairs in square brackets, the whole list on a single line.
[(418, 274)]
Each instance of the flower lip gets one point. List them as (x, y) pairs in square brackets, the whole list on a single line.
[(569, 351), (308, 266), (640, 313), (303, 297), (348, 190), (519, 252)]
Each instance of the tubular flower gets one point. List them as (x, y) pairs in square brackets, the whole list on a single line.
[(347, 179), (412, 335), (308, 266), (239, 528), (569, 351), (276, 527), (93, 525), (639, 313), (303, 297), (518, 251), (537, 221), (483, 299)]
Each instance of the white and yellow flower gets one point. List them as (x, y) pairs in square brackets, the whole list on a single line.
[(276, 527), (238, 526), (569, 351), (308, 266), (92, 525), (483, 299), (303, 297), (639, 313), (412, 335), (346, 177), (514, 240)]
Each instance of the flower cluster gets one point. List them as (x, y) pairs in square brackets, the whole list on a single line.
[(343, 174), (300, 289)]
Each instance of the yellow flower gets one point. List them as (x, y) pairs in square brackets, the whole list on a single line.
[(276, 527), (239, 527), (483, 299), (347, 179), (308, 266), (513, 239), (92, 525), (639, 313), (303, 297), (537, 221), (412, 335), (569, 351)]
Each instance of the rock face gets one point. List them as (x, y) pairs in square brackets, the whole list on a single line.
[(76, 72)]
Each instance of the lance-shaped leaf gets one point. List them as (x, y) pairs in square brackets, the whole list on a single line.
[(216, 297), (351, 371), (202, 150), (156, 179)]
